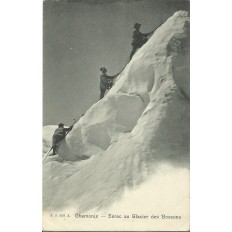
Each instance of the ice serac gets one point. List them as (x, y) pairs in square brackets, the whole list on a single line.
[(142, 123)]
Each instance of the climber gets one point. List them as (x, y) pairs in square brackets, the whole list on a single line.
[(139, 39), (59, 135), (106, 82)]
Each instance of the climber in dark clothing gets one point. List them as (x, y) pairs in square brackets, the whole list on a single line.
[(58, 136), (139, 39), (106, 82)]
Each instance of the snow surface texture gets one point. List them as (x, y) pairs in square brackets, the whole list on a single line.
[(48, 132), (125, 140)]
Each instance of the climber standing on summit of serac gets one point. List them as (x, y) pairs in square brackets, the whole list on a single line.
[(106, 82), (139, 39)]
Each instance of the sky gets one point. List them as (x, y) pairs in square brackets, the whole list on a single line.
[(81, 36)]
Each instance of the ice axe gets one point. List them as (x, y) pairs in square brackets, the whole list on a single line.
[(71, 125), (117, 75), (157, 27)]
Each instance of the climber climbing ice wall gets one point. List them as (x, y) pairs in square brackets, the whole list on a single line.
[(125, 163)]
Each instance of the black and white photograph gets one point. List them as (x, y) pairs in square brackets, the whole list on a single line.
[(116, 115)]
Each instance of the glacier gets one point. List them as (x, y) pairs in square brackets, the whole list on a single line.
[(133, 145)]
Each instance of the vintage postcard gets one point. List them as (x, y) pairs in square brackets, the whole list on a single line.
[(116, 115)]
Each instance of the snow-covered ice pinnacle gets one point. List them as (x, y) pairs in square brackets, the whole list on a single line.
[(142, 123)]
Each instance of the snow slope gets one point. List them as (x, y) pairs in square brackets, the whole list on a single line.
[(125, 140), (47, 138)]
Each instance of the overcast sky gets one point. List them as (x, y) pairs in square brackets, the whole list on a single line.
[(80, 37)]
